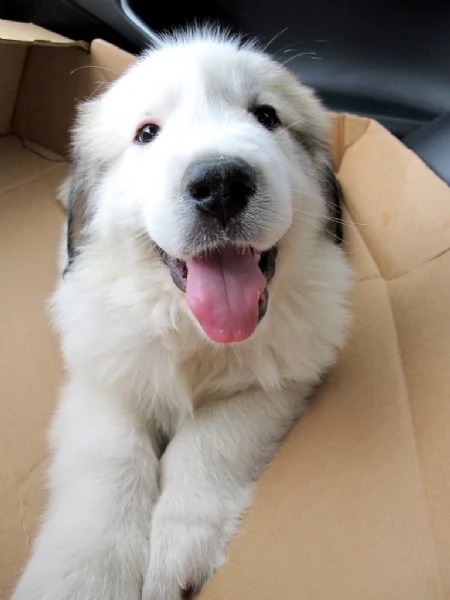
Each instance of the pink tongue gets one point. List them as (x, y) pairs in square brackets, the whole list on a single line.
[(223, 290)]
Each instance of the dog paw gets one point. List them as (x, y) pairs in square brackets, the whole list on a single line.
[(183, 557), (190, 591)]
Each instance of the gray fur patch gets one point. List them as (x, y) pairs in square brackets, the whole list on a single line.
[(316, 148), (312, 144), (334, 198), (78, 212)]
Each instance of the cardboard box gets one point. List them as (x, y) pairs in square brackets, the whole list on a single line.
[(356, 505)]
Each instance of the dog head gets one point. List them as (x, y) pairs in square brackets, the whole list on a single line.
[(210, 148)]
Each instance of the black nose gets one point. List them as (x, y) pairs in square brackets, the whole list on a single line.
[(221, 187)]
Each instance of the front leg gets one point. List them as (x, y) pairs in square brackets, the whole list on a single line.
[(207, 475), (93, 544)]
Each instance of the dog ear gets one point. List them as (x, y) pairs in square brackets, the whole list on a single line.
[(334, 199), (317, 148), (329, 183), (74, 195), (76, 192)]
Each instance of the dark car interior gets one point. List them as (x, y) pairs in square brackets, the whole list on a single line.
[(386, 60)]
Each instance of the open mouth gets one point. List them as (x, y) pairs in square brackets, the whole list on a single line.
[(226, 289)]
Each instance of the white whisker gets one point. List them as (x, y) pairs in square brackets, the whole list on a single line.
[(275, 37), (298, 55), (94, 67), (287, 127), (347, 220), (344, 241)]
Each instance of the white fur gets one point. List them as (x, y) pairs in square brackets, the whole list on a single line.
[(124, 523)]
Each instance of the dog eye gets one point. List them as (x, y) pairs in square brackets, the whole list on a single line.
[(146, 133), (267, 116)]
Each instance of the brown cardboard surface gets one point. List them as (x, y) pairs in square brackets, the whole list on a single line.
[(12, 60), (42, 73), (109, 60), (28, 33), (30, 371), (356, 505), (52, 78)]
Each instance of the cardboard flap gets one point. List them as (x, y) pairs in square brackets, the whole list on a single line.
[(21, 46), (346, 130), (28, 33), (399, 205), (109, 61), (45, 75)]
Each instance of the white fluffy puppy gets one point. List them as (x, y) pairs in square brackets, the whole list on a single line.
[(203, 297)]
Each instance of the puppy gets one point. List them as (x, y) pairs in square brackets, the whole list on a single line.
[(203, 296)]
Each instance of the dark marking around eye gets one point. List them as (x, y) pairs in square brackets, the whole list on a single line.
[(267, 116)]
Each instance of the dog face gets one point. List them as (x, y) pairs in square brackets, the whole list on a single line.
[(209, 148)]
